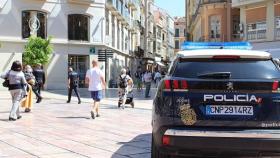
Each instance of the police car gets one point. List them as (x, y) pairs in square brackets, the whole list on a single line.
[(218, 100)]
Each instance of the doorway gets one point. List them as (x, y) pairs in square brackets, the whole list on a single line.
[(80, 64)]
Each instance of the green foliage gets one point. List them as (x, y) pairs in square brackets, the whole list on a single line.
[(37, 51)]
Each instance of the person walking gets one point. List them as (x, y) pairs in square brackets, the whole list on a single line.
[(96, 82), (148, 82), (73, 82), (40, 81), (138, 77), (124, 81), (27, 102), (17, 88), (157, 78)]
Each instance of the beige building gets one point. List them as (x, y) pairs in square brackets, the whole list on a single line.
[(163, 45), (212, 20), (180, 32), (260, 23)]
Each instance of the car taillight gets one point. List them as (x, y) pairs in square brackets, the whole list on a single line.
[(167, 84), (166, 140), (275, 86), (175, 85)]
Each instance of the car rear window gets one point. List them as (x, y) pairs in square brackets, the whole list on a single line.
[(261, 69)]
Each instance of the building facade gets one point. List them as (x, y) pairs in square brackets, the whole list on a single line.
[(180, 32), (163, 45), (77, 28), (123, 29), (81, 30), (117, 33), (212, 20), (260, 23)]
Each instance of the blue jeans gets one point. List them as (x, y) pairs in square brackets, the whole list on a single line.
[(148, 87)]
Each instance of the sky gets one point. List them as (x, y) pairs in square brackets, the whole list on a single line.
[(174, 7)]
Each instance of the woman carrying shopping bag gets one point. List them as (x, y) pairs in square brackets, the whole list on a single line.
[(27, 103)]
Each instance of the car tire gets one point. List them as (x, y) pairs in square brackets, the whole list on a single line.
[(155, 153)]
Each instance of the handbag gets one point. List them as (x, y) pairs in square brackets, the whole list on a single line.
[(6, 83)]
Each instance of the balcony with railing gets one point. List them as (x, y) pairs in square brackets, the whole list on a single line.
[(119, 10)]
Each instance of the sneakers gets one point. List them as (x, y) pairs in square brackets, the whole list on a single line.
[(92, 115), (12, 119), (97, 115), (79, 102)]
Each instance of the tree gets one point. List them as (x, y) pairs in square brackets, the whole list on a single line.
[(37, 51)]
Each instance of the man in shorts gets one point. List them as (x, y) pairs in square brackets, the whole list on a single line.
[(96, 83)]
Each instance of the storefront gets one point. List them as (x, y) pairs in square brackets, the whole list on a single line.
[(80, 64)]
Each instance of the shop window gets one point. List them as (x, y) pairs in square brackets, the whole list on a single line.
[(256, 31), (34, 23), (78, 27), (215, 27)]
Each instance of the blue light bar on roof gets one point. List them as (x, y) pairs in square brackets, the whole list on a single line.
[(216, 45)]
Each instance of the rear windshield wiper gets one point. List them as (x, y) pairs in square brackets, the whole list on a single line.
[(216, 75)]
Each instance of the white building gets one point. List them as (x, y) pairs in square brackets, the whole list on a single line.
[(78, 28)]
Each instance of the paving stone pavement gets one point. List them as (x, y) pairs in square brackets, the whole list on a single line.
[(55, 129)]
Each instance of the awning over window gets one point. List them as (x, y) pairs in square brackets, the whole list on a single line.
[(160, 64)]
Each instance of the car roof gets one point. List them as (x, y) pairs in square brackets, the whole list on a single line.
[(210, 53)]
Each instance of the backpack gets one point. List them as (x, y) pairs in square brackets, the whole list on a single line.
[(123, 82)]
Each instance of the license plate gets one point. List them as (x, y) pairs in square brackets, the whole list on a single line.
[(229, 110)]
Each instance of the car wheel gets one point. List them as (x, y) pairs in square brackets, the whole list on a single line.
[(155, 153)]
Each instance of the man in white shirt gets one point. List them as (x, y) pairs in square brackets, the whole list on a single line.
[(148, 81), (157, 78), (96, 83)]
